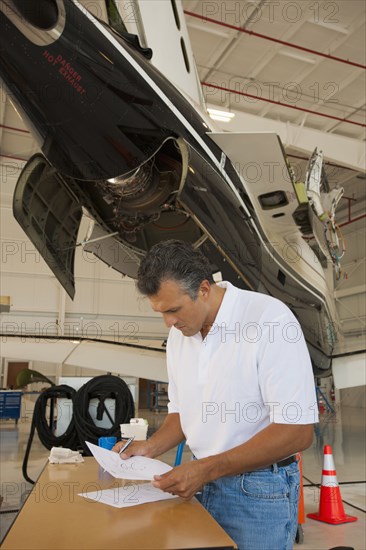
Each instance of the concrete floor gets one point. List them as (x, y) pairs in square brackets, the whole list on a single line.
[(345, 431)]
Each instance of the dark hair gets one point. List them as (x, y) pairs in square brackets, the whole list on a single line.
[(177, 261)]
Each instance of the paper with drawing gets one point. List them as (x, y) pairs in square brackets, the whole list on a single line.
[(131, 494), (136, 467)]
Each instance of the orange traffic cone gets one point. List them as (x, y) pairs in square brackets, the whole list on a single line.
[(331, 506), (301, 506)]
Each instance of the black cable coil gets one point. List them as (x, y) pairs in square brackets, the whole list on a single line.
[(82, 427), (68, 439), (102, 388)]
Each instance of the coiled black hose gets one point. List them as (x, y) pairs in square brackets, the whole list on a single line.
[(68, 439), (102, 388), (82, 427)]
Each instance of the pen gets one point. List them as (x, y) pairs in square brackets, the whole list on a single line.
[(127, 444)]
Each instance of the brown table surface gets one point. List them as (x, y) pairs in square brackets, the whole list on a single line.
[(55, 517)]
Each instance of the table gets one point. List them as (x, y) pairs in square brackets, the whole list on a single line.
[(55, 517)]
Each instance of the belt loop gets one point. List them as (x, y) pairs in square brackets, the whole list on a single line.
[(275, 468)]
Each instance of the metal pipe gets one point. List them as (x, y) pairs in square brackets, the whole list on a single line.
[(207, 84), (272, 39), (352, 221), (326, 162), (12, 157), (12, 128)]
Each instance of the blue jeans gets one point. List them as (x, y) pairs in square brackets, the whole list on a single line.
[(258, 510)]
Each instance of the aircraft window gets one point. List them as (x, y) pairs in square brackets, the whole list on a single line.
[(42, 14), (176, 14), (273, 200), (185, 55)]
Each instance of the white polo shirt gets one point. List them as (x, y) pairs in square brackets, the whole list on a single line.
[(253, 368)]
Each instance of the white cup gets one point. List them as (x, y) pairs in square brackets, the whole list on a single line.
[(136, 429)]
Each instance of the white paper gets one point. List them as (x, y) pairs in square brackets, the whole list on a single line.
[(131, 494), (136, 467)]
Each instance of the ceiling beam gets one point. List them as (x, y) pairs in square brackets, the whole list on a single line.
[(340, 149)]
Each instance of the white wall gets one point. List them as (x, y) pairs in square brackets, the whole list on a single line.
[(353, 397)]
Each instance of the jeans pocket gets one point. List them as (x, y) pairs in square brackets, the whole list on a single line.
[(265, 484)]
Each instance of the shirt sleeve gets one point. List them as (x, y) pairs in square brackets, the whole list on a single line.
[(285, 372)]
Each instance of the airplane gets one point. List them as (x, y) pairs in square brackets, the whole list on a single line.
[(125, 146)]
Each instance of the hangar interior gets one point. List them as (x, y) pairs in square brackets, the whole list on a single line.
[(295, 69)]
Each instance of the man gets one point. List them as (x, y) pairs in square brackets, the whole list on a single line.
[(241, 392)]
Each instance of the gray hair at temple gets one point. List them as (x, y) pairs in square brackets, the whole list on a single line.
[(173, 260)]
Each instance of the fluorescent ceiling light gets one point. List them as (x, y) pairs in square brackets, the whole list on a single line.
[(210, 29), (220, 113), (222, 116), (298, 56)]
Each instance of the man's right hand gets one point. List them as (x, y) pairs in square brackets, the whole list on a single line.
[(140, 448), (166, 437)]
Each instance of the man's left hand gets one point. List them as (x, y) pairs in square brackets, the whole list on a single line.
[(183, 481)]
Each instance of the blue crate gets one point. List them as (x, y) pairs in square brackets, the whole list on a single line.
[(10, 402)]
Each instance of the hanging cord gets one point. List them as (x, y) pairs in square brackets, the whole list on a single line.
[(82, 427), (68, 439), (102, 387)]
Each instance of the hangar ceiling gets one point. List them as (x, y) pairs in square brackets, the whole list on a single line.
[(306, 55)]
